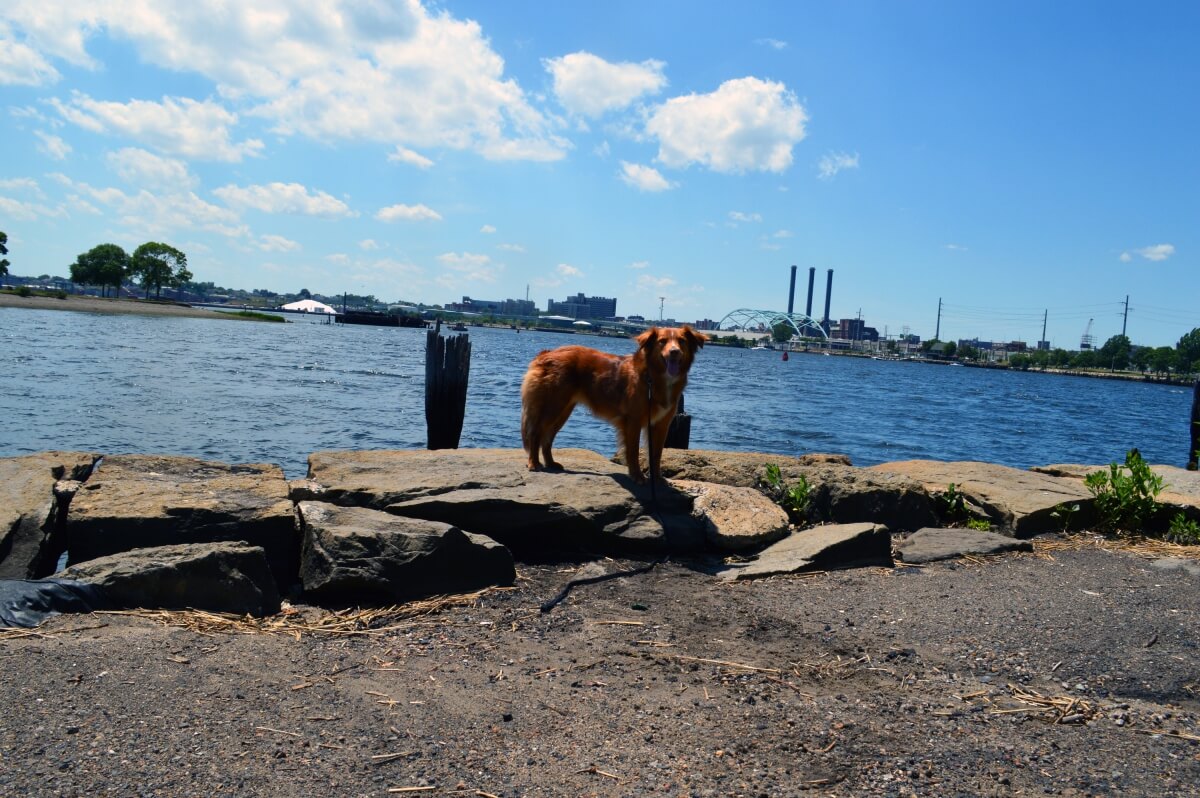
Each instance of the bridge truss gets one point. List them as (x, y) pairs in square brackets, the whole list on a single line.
[(804, 325)]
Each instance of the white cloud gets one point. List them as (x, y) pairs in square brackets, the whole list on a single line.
[(467, 267), (27, 211), (782, 234), (1158, 252), (338, 257), (644, 178), (1125, 257), (393, 72), (833, 162), (21, 65), (408, 213), (21, 184), (745, 125), (405, 155), (274, 243), (511, 247), (587, 85), (487, 229), (639, 264), (648, 282), (738, 216), (368, 244), (152, 214), (283, 198), (774, 44), (147, 170), (52, 146), (567, 270), (956, 247), (177, 125)]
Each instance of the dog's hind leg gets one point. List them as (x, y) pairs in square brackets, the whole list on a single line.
[(550, 432), (630, 443)]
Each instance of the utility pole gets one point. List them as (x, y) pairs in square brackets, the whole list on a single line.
[(1125, 318), (661, 300), (1045, 315), (937, 331)]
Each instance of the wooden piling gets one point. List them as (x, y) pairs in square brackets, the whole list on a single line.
[(679, 434), (447, 367), (1194, 451)]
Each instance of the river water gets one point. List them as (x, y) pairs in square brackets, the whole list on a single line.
[(244, 392)]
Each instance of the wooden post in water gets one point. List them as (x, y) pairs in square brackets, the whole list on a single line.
[(447, 367), (1194, 451), (679, 434)]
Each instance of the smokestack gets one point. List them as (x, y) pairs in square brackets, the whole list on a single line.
[(828, 295), (812, 275), (792, 291)]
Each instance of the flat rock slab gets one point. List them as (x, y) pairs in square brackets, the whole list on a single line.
[(1177, 564), (838, 492), (930, 545), (358, 556), (142, 501), (734, 518), (821, 548), (29, 510), (590, 505), (217, 577), (1021, 501)]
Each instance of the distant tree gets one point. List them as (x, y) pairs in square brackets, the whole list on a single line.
[(1084, 359), (3, 252), (1164, 359), (926, 346), (1141, 358), (1060, 359), (781, 332), (1040, 358), (102, 265), (968, 352), (950, 349), (1188, 350), (156, 264), (1020, 361), (305, 293), (1114, 353)]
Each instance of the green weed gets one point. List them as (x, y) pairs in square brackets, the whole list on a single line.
[(1183, 530), (794, 498), (1125, 495)]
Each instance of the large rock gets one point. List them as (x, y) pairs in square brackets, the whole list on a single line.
[(30, 513), (734, 518), (821, 548), (930, 545), (353, 555), (838, 492), (590, 505), (141, 501), (1020, 501), (217, 577)]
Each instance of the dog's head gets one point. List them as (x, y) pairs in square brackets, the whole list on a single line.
[(674, 347)]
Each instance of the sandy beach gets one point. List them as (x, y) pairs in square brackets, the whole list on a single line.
[(91, 304)]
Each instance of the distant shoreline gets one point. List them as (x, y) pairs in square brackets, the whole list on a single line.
[(92, 304)]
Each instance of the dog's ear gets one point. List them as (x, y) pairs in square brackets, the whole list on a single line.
[(647, 339), (695, 340)]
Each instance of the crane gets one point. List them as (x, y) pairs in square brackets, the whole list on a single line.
[(1087, 340)]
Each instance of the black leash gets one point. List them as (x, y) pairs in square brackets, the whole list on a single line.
[(645, 569)]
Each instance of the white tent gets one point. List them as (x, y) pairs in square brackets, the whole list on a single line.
[(309, 306)]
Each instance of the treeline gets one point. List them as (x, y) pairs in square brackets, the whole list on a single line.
[(1119, 354), (153, 265)]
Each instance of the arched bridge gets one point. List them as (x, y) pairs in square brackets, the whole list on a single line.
[(805, 326)]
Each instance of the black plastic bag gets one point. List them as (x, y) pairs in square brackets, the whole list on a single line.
[(28, 602)]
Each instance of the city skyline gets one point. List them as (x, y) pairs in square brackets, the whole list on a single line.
[(1011, 160)]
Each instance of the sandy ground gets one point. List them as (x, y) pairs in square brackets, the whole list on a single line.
[(88, 304), (1064, 672)]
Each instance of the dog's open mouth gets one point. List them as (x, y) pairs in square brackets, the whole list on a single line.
[(673, 366)]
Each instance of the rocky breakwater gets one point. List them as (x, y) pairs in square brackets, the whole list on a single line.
[(373, 527)]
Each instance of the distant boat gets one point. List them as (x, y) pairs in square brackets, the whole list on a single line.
[(371, 317), (459, 327), (760, 348)]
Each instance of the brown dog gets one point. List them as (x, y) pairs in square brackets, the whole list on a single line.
[(626, 391)]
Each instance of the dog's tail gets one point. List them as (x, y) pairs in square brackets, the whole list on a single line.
[(528, 415)]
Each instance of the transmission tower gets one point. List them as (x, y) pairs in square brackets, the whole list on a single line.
[(1087, 340)]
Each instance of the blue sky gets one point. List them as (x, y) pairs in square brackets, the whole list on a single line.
[(1008, 158)]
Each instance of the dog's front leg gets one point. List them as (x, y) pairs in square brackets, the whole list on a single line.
[(656, 442), (632, 437)]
